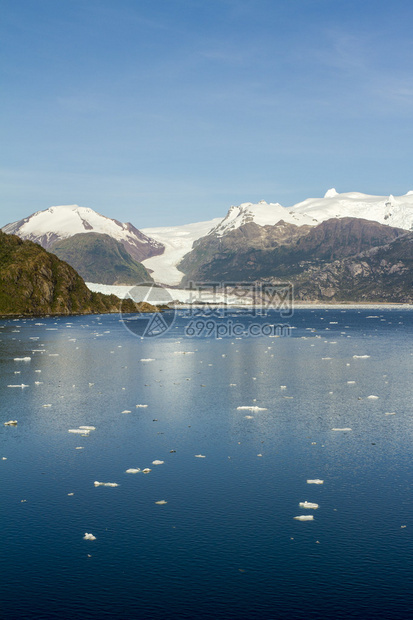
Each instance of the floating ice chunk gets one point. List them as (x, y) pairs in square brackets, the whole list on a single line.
[(38, 382), (70, 494), (315, 481), (199, 456), (372, 397), (350, 382), (158, 462), (140, 406), (88, 428), (11, 423), (78, 431), (360, 357), (161, 502), (341, 429), (149, 359), (326, 358), (126, 411), (132, 470), (146, 470), (308, 505), (252, 408), (53, 354), (390, 413), (48, 405), (4, 458), (79, 448), (22, 385), (249, 417), (89, 537), (184, 352), (305, 518), (105, 484), (22, 359), (283, 387)]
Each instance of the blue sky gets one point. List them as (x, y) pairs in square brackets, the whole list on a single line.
[(164, 112)]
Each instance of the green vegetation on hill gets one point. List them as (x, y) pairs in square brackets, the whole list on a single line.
[(36, 282), (100, 258)]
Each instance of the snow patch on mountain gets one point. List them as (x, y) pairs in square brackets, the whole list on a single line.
[(263, 214), (392, 210)]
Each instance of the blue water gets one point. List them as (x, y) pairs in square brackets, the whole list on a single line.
[(225, 545)]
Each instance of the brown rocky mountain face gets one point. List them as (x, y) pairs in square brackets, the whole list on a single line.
[(252, 252), (381, 274)]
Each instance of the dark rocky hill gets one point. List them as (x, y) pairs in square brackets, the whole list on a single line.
[(100, 258), (36, 282), (381, 274)]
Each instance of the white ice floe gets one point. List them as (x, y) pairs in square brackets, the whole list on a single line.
[(126, 411), (88, 428), (350, 382), (89, 537), (161, 502), (390, 413), (315, 481), (199, 456), (149, 359), (11, 423), (79, 431), (22, 359), (372, 397), (305, 518), (21, 385), (158, 462), (47, 405), (132, 470), (105, 484), (251, 408), (249, 417), (146, 470), (308, 505), (140, 406), (79, 448), (360, 357), (341, 429)]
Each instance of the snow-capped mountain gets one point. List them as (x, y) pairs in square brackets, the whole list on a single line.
[(263, 214), (161, 249), (391, 210), (178, 240), (60, 222)]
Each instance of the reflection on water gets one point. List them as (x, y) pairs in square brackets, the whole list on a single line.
[(225, 544)]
